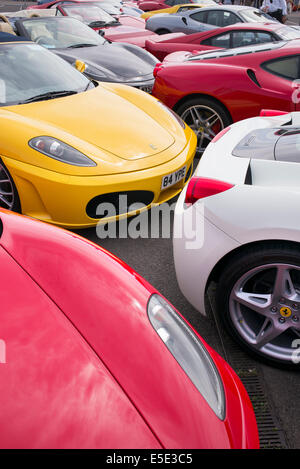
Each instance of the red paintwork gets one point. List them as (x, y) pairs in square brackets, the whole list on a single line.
[(161, 46), (50, 4), (150, 5), (83, 361), (226, 80)]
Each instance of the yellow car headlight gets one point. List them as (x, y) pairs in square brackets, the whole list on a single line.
[(60, 151)]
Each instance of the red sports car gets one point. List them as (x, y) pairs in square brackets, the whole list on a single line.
[(92, 356), (209, 90), (236, 35), (149, 5)]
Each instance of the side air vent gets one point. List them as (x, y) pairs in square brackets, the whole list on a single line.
[(252, 76)]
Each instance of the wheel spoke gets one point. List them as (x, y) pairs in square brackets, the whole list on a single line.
[(283, 286), (267, 333), (208, 122), (255, 301)]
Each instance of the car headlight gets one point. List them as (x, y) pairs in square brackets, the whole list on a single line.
[(173, 114), (60, 151), (188, 351)]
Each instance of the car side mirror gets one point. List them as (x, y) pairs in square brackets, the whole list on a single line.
[(184, 20), (101, 32), (80, 66)]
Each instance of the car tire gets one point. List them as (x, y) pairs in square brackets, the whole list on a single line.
[(162, 31), (267, 335), (205, 108), (9, 197)]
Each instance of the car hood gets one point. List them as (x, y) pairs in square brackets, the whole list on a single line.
[(116, 129), (118, 62), (107, 303), (68, 398)]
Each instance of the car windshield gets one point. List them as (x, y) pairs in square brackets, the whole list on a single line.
[(288, 33), (89, 15), (251, 15), (61, 33), (108, 7), (28, 70)]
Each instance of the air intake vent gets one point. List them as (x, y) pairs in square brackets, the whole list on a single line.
[(252, 76)]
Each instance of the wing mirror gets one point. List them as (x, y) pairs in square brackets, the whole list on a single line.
[(80, 66), (101, 32), (184, 20)]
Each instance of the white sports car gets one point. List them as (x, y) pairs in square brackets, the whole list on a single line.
[(238, 223)]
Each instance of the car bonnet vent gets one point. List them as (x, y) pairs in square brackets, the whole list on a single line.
[(258, 144)]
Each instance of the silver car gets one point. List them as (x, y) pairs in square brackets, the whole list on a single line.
[(203, 19)]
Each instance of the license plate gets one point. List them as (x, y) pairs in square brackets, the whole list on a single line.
[(171, 179)]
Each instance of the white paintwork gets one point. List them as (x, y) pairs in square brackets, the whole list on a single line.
[(269, 209)]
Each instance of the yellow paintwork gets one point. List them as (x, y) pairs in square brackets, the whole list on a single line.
[(112, 124), (173, 9)]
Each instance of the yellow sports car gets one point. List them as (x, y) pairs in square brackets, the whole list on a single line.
[(69, 144), (179, 8)]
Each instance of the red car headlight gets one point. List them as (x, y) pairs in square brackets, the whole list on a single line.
[(188, 351)]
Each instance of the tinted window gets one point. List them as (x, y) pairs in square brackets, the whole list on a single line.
[(219, 18), (179, 2), (247, 38), (169, 2), (199, 16), (223, 40), (286, 67)]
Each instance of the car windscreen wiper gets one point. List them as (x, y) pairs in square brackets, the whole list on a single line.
[(49, 95), (81, 45)]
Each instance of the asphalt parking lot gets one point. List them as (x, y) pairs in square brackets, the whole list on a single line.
[(274, 392)]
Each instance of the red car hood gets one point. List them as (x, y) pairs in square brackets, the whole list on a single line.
[(128, 34), (133, 21), (55, 392), (107, 302)]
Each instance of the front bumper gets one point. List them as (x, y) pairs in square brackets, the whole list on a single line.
[(62, 199)]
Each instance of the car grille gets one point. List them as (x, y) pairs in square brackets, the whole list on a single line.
[(120, 205)]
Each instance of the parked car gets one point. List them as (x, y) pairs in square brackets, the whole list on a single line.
[(111, 27), (245, 195), (178, 8), (99, 17), (236, 35), (204, 19), (72, 40), (210, 90), (54, 3), (66, 160), (150, 5), (79, 372)]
